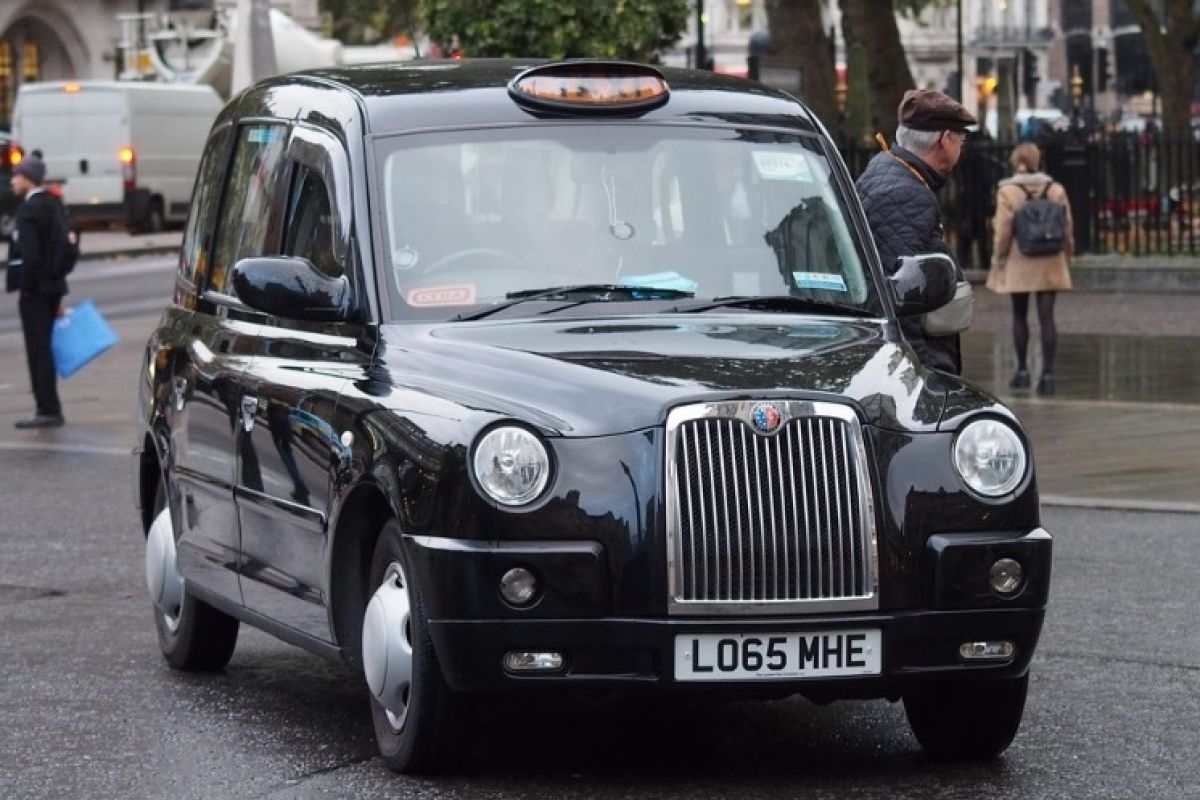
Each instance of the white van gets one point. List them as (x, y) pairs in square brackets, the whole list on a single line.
[(122, 151)]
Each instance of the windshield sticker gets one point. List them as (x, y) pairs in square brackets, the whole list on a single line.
[(457, 295), (775, 165), (263, 135), (819, 280), (660, 280)]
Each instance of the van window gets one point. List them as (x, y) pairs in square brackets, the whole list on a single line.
[(309, 231), (194, 256), (248, 226)]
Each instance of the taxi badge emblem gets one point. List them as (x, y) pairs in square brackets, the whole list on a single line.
[(765, 417)]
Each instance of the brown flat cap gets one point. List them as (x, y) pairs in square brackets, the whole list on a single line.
[(930, 110)]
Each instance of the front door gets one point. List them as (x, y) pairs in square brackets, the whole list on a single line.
[(288, 454)]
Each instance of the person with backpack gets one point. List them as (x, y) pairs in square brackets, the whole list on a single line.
[(41, 252), (1031, 254)]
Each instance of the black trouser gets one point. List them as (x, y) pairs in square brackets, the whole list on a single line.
[(37, 320)]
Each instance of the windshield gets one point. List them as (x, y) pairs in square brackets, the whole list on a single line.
[(477, 218)]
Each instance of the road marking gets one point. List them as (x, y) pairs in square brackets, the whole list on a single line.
[(147, 266), (1118, 504), (80, 448)]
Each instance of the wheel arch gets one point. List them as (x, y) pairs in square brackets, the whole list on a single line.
[(362, 516), (150, 472)]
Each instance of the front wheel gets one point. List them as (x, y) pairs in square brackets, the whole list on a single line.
[(192, 635), (967, 719), (419, 720)]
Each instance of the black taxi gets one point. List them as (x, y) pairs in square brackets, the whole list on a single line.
[(507, 375)]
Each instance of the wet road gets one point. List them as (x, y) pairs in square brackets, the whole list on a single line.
[(87, 708), (121, 289)]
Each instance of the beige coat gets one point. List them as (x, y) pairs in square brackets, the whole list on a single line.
[(1011, 270)]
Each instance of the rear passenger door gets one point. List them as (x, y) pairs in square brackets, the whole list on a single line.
[(239, 207), (294, 379)]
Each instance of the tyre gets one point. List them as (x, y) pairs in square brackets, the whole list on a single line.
[(154, 221), (967, 719), (192, 635), (419, 721)]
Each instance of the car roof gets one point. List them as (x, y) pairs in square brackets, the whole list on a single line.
[(409, 95)]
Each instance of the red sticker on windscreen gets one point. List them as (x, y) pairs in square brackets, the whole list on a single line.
[(457, 295)]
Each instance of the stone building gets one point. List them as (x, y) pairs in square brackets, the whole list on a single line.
[(82, 39)]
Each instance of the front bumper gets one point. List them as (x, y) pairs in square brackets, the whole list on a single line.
[(917, 646), (472, 628)]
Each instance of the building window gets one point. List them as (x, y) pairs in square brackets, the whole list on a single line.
[(6, 82), (30, 66), (739, 16)]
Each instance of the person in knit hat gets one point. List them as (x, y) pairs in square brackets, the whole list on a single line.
[(36, 242)]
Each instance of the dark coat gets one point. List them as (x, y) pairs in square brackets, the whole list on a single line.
[(906, 220), (40, 234)]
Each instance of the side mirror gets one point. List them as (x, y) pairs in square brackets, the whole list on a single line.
[(922, 283), (291, 287)]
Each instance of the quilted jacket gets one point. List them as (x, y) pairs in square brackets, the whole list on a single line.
[(905, 220)]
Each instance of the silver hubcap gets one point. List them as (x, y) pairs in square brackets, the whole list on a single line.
[(387, 645), (163, 578)]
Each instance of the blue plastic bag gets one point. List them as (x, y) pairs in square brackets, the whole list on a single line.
[(79, 336)]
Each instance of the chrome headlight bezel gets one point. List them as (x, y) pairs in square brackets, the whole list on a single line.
[(487, 473), (996, 437)]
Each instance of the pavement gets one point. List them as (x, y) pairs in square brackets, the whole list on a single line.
[(1123, 430)]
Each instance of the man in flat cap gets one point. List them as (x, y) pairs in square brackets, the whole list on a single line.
[(899, 194), (37, 242)]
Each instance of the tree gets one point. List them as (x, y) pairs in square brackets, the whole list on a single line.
[(798, 36), (367, 21), (624, 29), (1171, 45), (888, 75)]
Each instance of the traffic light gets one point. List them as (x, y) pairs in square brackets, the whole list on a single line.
[(1029, 73), (1103, 73)]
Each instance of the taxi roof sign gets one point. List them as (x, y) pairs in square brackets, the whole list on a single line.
[(574, 87)]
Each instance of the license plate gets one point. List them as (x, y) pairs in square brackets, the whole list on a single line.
[(774, 656)]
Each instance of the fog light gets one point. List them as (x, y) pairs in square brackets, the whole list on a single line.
[(1006, 576), (518, 586), (533, 661), (987, 651)]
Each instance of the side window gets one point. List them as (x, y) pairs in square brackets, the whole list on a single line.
[(248, 228), (194, 255), (309, 231)]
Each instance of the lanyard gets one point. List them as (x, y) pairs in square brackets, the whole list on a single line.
[(911, 169)]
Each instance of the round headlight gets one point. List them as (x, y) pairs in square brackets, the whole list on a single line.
[(989, 456), (511, 465)]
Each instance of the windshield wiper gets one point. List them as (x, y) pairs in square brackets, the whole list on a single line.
[(774, 302), (580, 293)]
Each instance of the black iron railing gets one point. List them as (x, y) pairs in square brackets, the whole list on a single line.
[(1130, 194)]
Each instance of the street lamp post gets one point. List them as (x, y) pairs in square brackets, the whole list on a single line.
[(701, 56), (1076, 84), (958, 84)]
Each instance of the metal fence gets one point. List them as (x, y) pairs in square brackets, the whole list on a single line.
[(1130, 194)]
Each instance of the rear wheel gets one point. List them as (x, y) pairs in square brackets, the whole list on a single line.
[(192, 635), (967, 718), (419, 720)]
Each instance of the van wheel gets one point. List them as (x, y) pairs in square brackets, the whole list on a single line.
[(419, 720), (192, 635), (155, 218), (967, 719)]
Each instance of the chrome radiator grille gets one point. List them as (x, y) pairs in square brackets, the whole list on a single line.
[(769, 509)]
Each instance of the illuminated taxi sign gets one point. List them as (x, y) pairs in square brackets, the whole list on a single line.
[(579, 87)]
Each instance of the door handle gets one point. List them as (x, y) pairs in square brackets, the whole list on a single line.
[(249, 407), (179, 392)]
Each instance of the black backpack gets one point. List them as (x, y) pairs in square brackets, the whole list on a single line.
[(1040, 224), (66, 239)]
